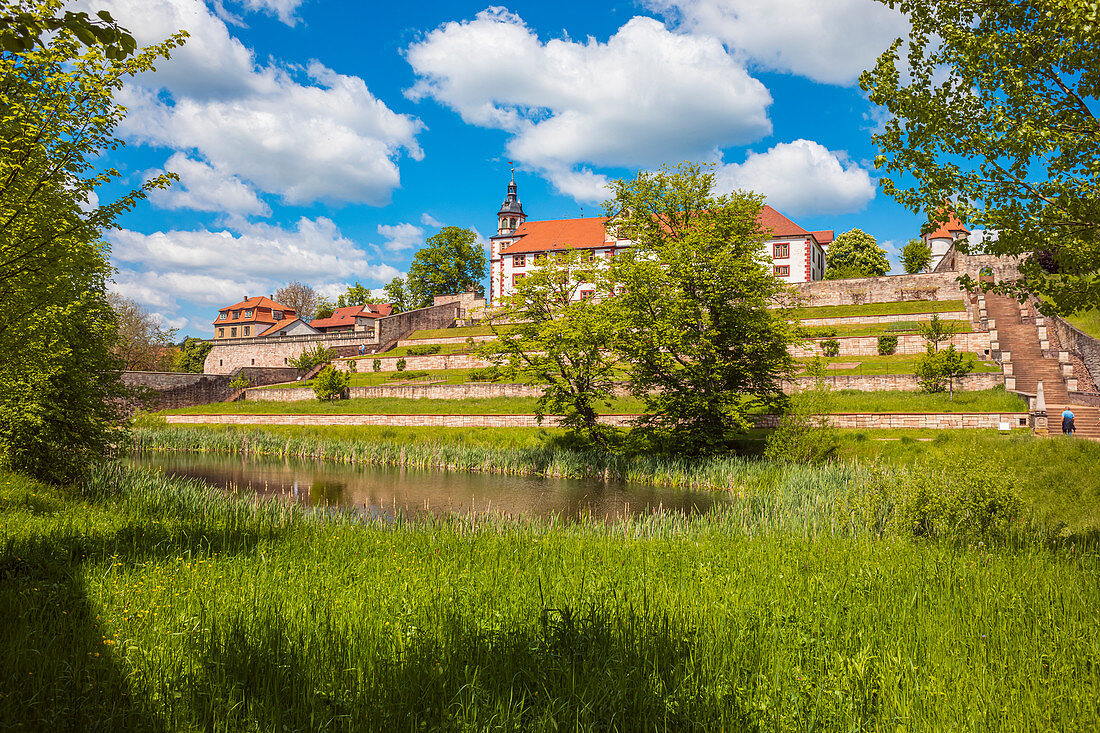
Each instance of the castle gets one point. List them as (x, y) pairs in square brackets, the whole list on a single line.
[(797, 255)]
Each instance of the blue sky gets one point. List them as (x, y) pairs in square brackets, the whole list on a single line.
[(325, 141)]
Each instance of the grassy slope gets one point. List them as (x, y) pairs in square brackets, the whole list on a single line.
[(1088, 321), (881, 309), (894, 364), (147, 604)]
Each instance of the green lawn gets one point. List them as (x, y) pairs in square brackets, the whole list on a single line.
[(883, 329), (459, 348), (881, 309), (142, 603), (461, 332), (1087, 321), (990, 400), (392, 406)]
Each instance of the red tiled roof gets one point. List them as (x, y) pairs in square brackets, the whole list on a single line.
[(341, 317), (555, 234), (824, 237), (377, 310), (948, 229), (543, 236), (280, 325), (254, 304)]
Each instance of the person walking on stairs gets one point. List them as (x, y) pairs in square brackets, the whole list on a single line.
[(1067, 422)]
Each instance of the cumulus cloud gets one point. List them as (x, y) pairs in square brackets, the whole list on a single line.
[(306, 134), (801, 178), (430, 221), (203, 188), (401, 236), (829, 41), (284, 10), (645, 96)]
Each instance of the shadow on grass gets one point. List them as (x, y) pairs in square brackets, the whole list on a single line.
[(583, 672), (57, 673)]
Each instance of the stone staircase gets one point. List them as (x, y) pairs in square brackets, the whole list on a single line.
[(1023, 341)]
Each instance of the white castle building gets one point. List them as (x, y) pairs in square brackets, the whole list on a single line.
[(797, 255)]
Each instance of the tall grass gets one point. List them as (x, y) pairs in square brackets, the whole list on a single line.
[(145, 603)]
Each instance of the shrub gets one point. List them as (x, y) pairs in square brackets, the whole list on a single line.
[(487, 374), (377, 365), (330, 384), (353, 366), (830, 347), (887, 345), (400, 364), (423, 350), (312, 357), (414, 374), (240, 382), (816, 332)]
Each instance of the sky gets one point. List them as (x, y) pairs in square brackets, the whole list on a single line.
[(325, 141)]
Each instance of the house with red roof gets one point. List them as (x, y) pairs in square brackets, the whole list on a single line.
[(252, 317), (353, 319), (797, 255)]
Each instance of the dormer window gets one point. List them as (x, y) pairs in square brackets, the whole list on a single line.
[(248, 314), (223, 315), (278, 315), (236, 314)]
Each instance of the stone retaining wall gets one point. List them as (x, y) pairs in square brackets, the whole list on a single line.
[(974, 342), (432, 361), (866, 421), (169, 390), (895, 382), (885, 289), (1080, 344), (874, 320)]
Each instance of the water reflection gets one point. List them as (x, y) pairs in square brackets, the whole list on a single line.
[(385, 492)]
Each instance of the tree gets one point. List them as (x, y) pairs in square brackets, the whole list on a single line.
[(936, 330), (192, 355), (325, 308), (299, 296), (397, 295), (23, 24), (561, 343), (310, 358), (694, 309), (331, 384), (140, 343), (938, 370), (916, 256), (355, 295), (993, 106), (452, 262), (60, 387), (855, 253)]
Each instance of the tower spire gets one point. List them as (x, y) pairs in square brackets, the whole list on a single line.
[(511, 215)]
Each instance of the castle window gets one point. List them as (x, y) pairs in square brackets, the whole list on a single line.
[(519, 260), (517, 278), (538, 257), (782, 270), (246, 333), (586, 294), (591, 255), (221, 333), (232, 333), (609, 254), (512, 223), (223, 315), (248, 314), (781, 251)]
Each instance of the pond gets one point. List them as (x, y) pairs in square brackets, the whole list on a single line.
[(387, 492)]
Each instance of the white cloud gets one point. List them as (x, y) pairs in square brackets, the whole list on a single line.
[(801, 178), (645, 96), (306, 134), (401, 236), (829, 41), (284, 10), (430, 221), (203, 188)]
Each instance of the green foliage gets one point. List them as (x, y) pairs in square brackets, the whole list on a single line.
[(59, 383), (452, 262), (325, 308), (376, 365), (993, 106), (423, 349), (398, 295), (816, 332), (239, 382), (400, 364), (140, 342), (487, 374), (559, 342), (887, 345), (353, 365), (355, 295), (309, 358), (22, 25), (855, 254), (975, 501), (331, 384), (192, 355), (916, 256), (805, 434), (410, 374), (694, 318), (830, 347), (937, 371), (936, 330)]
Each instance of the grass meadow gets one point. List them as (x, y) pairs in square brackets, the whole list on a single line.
[(808, 602)]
